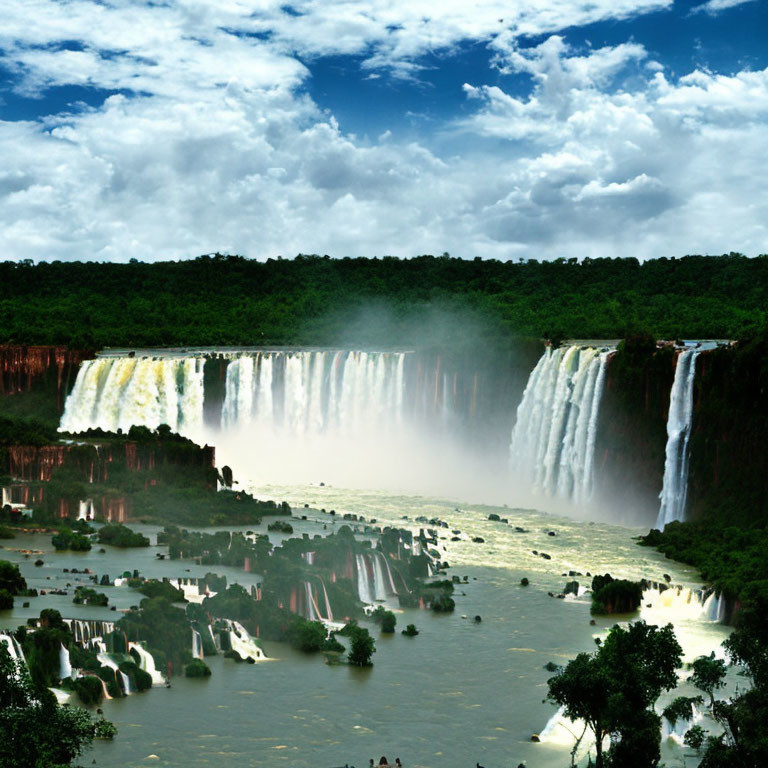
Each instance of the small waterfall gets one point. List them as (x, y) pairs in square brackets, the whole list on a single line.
[(13, 647), (242, 643), (312, 612), (363, 581), (197, 645), (674, 493), (107, 661), (147, 663), (379, 586), (65, 667), (85, 510), (90, 632), (328, 611), (715, 607), (553, 440), (119, 392)]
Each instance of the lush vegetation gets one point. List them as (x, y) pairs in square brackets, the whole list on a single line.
[(120, 536), (614, 691), (66, 538), (35, 732), (731, 559), (611, 595), (315, 300)]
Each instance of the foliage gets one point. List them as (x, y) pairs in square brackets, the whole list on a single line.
[(318, 300), (410, 631), (709, 675), (386, 619), (68, 539), (89, 689), (11, 579), (35, 732), (88, 596), (611, 595), (280, 526), (197, 668), (6, 600), (163, 626), (120, 536), (155, 588), (362, 646), (729, 558), (614, 689), (307, 636)]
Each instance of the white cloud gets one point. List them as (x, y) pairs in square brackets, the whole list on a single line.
[(715, 6), (213, 145)]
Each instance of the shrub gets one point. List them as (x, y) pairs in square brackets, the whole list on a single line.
[(197, 668)]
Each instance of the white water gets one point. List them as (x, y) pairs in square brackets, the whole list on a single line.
[(674, 493), (107, 661), (311, 392), (65, 667), (242, 643), (553, 440), (117, 392), (197, 645), (363, 581), (147, 663)]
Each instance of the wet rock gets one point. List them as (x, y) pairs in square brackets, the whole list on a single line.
[(524, 582), (518, 529), (478, 540), (493, 516), (478, 619), (571, 588), (535, 738), (551, 533), (546, 556)]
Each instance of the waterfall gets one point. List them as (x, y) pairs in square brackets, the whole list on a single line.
[(553, 440), (197, 645), (118, 392), (304, 393), (328, 611), (674, 493), (714, 608), (242, 643), (363, 581), (312, 612), (147, 663), (65, 667), (107, 661), (13, 647)]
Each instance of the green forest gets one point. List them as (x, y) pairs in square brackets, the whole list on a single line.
[(221, 300)]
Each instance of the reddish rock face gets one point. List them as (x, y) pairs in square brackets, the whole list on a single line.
[(21, 368)]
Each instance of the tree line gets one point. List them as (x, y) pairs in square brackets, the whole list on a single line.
[(219, 299)]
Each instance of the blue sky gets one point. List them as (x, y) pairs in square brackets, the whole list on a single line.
[(538, 129)]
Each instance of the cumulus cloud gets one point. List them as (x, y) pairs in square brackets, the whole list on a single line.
[(209, 141)]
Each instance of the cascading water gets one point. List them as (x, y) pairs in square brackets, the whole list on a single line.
[(147, 663), (118, 392), (65, 667), (197, 645), (306, 393), (674, 493), (363, 581), (553, 440)]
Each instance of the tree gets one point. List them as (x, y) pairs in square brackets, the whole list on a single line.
[(35, 732), (11, 579), (709, 675), (362, 648), (614, 689)]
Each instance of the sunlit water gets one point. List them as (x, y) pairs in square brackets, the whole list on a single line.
[(461, 692)]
